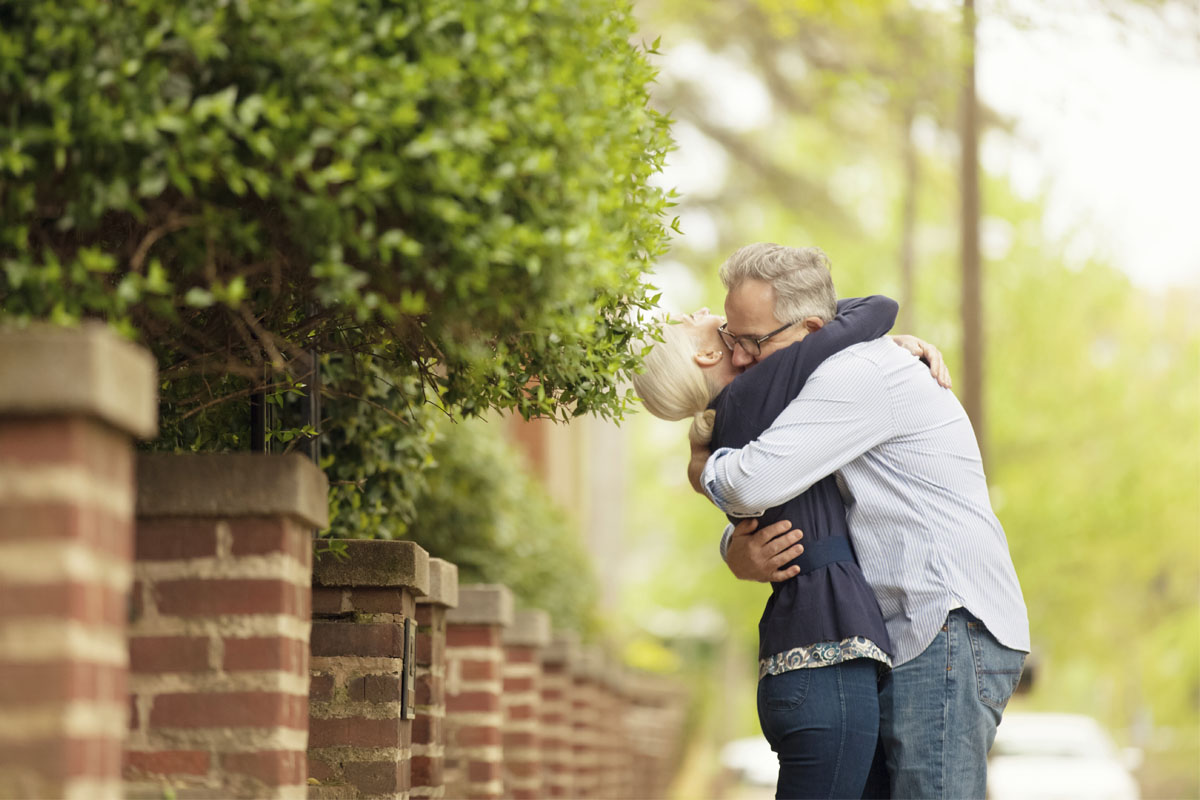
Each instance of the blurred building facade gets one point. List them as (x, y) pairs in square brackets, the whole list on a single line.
[(584, 466)]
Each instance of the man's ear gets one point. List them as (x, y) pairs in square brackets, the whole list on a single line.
[(813, 324), (708, 358)]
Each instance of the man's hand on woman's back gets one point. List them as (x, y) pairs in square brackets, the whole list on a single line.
[(755, 555)]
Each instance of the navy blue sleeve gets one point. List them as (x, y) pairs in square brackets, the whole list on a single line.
[(858, 320), (748, 405)]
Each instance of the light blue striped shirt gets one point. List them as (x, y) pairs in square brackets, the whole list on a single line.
[(920, 519)]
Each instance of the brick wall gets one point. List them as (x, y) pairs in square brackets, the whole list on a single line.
[(429, 737), (586, 712), (179, 621), (361, 701), (521, 702), (622, 753), (557, 733), (474, 682), (615, 755), (655, 718), (70, 402), (220, 624)]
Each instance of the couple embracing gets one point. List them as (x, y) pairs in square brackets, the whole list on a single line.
[(895, 632)]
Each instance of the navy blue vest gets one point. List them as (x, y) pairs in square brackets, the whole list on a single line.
[(829, 600)]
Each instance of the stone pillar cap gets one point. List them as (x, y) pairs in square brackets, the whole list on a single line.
[(563, 648), (652, 689), (530, 628), (86, 370), (378, 563), (232, 485), (592, 662), (618, 678), (482, 604), (621, 677), (443, 584)]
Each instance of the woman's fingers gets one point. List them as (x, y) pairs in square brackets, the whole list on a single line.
[(909, 342), (937, 365), (932, 356)]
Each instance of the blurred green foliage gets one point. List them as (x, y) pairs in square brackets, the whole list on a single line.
[(485, 512), (449, 201), (1092, 384), (457, 190)]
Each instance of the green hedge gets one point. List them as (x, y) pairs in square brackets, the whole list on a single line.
[(485, 513), (448, 199), (456, 190)]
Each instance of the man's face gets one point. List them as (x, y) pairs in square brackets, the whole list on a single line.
[(750, 311)]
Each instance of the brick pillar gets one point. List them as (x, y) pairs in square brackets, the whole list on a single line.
[(588, 710), (608, 720), (655, 720), (429, 735), (70, 402), (362, 693), (617, 756), (220, 623), (474, 675), (624, 753), (558, 663), (522, 703)]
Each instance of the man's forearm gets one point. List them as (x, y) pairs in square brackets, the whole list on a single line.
[(824, 428)]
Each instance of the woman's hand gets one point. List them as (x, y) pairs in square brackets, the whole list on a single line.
[(695, 470), (929, 354)]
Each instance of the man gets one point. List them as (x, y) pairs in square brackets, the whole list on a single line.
[(920, 520)]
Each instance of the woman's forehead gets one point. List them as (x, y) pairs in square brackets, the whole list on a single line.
[(702, 315)]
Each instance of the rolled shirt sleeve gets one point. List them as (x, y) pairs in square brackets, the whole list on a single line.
[(725, 537)]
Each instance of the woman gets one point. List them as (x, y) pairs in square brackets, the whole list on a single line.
[(822, 639)]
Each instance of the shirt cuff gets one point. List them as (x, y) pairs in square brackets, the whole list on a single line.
[(725, 537), (711, 485), (708, 478)]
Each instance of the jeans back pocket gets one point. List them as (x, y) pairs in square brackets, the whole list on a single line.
[(780, 697), (997, 668)]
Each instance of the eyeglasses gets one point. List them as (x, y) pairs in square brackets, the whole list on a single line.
[(750, 344)]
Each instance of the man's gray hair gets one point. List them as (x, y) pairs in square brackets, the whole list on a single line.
[(799, 275)]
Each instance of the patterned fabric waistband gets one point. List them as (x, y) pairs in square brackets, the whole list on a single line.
[(822, 654)]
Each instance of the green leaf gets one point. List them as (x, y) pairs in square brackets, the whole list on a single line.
[(199, 298)]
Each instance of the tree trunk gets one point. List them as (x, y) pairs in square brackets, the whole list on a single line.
[(972, 305), (908, 229)]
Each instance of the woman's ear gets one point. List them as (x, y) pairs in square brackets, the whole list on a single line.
[(813, 324), (708, 358)]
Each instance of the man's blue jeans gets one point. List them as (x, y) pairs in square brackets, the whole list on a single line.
[(938, 713), (823, 723)]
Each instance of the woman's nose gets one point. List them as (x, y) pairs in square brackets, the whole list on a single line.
[(700, 312)]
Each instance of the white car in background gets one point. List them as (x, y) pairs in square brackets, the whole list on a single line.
[(1051, 756), (751, 760)]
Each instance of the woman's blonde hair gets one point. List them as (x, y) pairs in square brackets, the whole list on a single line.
[(673, 386)]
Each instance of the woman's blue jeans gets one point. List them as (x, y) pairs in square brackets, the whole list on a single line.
[(823, 723)]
